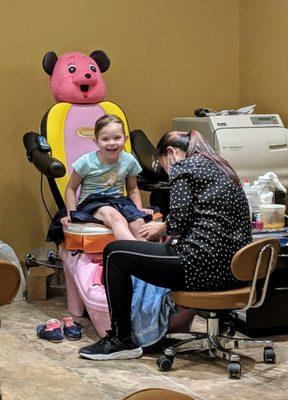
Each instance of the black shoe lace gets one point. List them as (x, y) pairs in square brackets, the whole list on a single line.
[(110, 335)]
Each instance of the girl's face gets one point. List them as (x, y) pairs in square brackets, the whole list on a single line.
[(110, 140)]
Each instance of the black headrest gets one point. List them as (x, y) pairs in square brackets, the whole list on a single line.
[(144, 150)]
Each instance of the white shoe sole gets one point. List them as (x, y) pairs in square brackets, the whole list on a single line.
[(118, 355)]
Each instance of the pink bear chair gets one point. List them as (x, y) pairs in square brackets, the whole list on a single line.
[(78, 87), (68, 126)]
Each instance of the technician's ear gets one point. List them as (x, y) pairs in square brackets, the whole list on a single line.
[(49, 62), (101, 59), (171, 151)]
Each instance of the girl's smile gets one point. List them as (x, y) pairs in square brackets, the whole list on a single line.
[(110, 141)]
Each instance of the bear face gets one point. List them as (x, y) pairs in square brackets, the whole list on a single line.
[(76, 77)]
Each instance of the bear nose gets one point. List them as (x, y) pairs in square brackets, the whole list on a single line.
[(88, 76)]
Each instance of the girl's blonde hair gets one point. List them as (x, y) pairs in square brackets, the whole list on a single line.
[(106, 120)]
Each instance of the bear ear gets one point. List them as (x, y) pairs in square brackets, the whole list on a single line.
[(49, 61), (101, 59)]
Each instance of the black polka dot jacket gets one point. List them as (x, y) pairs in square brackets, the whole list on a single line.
[(210, 213)]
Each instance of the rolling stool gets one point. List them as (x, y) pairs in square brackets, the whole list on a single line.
[(250, 264)]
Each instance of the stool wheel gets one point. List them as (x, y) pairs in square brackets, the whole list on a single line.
[(269, 355), (234, 370), (164, 362)]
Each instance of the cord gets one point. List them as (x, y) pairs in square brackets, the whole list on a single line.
[(42, 197)]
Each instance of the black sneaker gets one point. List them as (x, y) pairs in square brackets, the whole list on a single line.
[(111, 348)]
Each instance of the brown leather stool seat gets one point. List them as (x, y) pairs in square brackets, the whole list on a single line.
[(224, 300), (157, 394), (9, 282)]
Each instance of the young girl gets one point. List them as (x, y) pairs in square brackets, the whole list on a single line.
[(103, 176)]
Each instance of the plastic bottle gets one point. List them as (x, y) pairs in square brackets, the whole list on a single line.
[(251, 192)]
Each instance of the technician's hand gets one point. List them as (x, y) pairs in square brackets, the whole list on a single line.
[(153, 230), (147, 210), (65, 221)]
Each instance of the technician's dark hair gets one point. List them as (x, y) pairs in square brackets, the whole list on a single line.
[(107, 119), (193, 143)]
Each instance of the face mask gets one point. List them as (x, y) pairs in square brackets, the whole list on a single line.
[(171, 160)]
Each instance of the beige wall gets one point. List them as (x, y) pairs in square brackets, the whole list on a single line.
[(167, 57), (264, 55)]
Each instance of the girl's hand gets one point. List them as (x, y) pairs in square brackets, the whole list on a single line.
[(153, 230), (65, 221), (147, 210)]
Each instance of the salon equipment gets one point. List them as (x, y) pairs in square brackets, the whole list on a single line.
[(251, 143)]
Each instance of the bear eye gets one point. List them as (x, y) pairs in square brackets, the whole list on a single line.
[(72, 69), (92, 68)]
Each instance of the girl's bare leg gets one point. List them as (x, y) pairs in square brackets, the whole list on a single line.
[(114, 220), (134, 227)]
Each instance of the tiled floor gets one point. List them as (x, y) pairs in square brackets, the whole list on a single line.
[(32, 368)]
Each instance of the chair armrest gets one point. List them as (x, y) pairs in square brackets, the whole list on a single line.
[(44, 162)]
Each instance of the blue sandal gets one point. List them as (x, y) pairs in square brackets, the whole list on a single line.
[(72, 329), (51, 331)]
